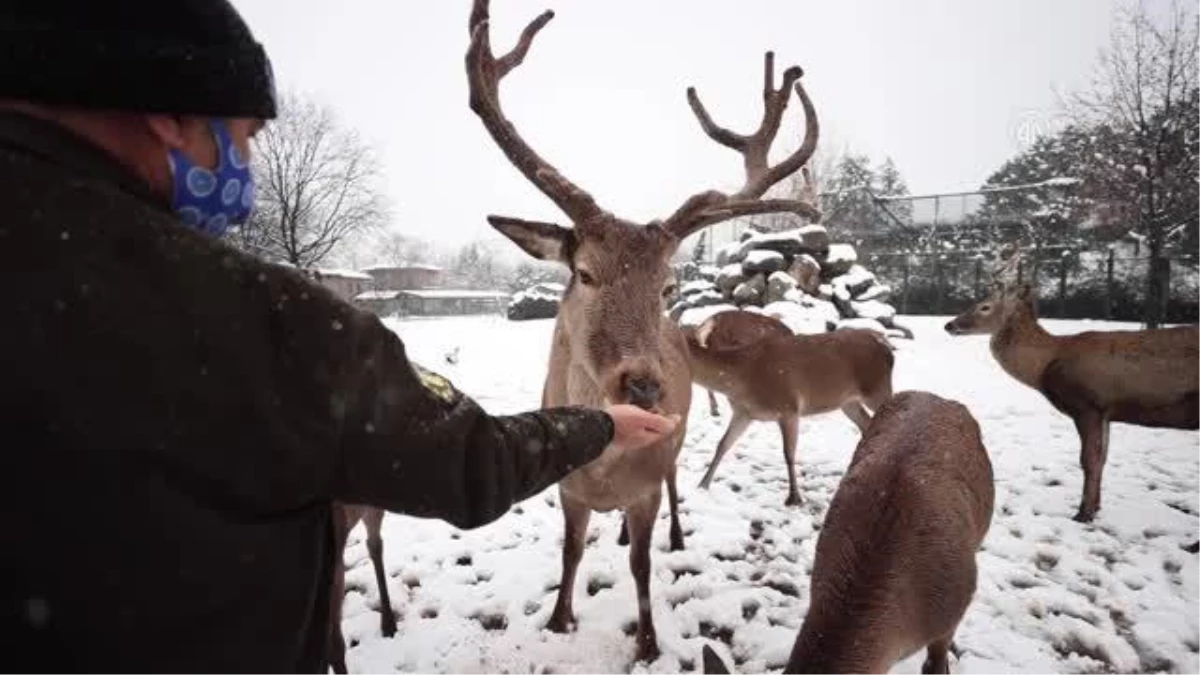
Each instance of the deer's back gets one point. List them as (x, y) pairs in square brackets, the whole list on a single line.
[(1155, 367), (896, 557)]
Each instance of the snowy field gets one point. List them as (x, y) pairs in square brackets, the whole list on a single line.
[(1118, 595)]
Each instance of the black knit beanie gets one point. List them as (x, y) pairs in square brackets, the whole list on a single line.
[(184, 57)]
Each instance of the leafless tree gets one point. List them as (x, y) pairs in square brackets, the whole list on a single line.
[(1146, 88), (318, 186)]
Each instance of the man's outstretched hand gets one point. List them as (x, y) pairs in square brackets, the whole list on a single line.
[(636, 428)]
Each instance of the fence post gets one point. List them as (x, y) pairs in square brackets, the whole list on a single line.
[(1108, 286), (904, 291), (937, 271), (1063, 261), (1020, 271), (978, 276)]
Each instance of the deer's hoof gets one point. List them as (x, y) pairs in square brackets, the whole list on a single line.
[(647, 648), (560, 623), (387, 625), (794, 499), (1085, 514), (676, 541), (941, 665)]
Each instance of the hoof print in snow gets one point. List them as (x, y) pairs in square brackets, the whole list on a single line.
[(749, 609), (756, 529), (629, 628), (483, 576), (1193, 547), (599, 583), (783, 586), (729, 557), (714, 632), (1052, 482), (429, 613), (683, 571), (1071, 643), (532, 607), (492, 622), (463, 560), (412, 582), (1045, 560)]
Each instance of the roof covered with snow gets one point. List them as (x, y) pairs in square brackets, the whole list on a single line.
[(343, 273)]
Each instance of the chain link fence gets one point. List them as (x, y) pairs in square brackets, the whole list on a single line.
[(1070, 284)]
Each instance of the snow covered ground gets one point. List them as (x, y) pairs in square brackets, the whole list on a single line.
[(1118, 595)]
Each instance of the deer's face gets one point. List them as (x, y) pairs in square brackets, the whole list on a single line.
[(613, 307), (988, 315)]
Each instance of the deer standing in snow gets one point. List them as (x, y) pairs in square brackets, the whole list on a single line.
[(345, 517), (612, 342), (1143, 377), (894, 570), (770, 374)]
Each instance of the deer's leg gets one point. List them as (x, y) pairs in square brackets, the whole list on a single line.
[(673, 503), (623, 537), (857, 414), (712, 404), (575, 517), (336, 650), (739, 421), (937, 659), (789, 429), (373, 521), (641, 527), (1093, 450)]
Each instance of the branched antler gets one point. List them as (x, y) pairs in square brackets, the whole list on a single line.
[(713, 206), (484, 72)]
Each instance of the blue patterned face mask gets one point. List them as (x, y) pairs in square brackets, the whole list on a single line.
[(212, 200)]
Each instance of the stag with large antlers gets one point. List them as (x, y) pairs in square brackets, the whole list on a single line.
[(612, 342), (1143, 377)]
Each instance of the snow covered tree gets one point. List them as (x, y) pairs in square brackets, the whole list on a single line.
[(318, 186), (1146, 91)]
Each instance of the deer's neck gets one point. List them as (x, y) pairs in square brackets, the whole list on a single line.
[(1023, 348)]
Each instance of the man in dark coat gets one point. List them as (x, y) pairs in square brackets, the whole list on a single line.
[(179, 417)]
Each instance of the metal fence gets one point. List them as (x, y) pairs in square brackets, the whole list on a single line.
[(937, 253), (1070, 284)]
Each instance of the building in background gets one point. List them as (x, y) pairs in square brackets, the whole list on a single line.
[(406, 276), (347, 284), (434, 302)]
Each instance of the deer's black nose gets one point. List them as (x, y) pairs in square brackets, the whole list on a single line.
[(644, 392)]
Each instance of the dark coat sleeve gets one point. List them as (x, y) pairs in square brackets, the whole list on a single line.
[(413, 444)]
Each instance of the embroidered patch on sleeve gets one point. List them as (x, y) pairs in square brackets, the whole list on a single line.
[(437, 385)]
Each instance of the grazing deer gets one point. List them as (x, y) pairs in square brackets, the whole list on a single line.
[(1143, 377), (612, 341), (345, 517), (894, 569), (770, 374)]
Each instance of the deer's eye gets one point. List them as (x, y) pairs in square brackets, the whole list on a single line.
[(669, 290), (985, 307), (585, 277)]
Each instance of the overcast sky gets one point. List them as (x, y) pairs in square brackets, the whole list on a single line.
[(949, 89)]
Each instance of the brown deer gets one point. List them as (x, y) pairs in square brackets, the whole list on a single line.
[(894, 569), (771, 375), (1143, 377), (613, 342), (345, 517)]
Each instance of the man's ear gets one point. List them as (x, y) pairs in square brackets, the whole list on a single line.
[(544, 241), (168, 129)]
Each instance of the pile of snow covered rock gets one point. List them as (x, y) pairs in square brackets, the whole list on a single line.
[(797, 276), (539, 301)]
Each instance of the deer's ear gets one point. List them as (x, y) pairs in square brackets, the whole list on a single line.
[(544, 241), (1024, 292)]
